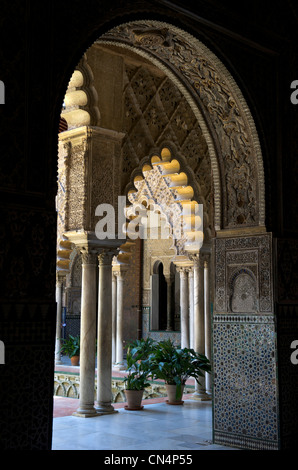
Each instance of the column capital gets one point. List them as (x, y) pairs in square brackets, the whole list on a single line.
[(181, 270), (119, 274), (105, 257), (59, 282), (184, 270), (191, 271), (119, 270), (88, 255), (206, 259), (197, 259), (60, 277)]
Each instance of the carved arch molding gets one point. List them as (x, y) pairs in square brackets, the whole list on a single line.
[(222, 113)]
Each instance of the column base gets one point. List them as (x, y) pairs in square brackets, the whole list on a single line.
[(102, 409), (201, 396), (119, 366), (85, 412)]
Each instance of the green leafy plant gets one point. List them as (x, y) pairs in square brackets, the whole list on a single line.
[(138, 364), (71, 346), (175, 365)]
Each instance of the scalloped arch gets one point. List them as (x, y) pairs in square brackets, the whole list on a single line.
[(165, 190)]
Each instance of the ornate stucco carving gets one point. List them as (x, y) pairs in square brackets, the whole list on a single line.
[(244, 298), (76, 195), (63, 245), (223, 115), (156, 113), (91, 174), (250, 256)]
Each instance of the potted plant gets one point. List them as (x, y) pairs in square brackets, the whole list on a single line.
[(138, 367), (175, 365), (71, 348)]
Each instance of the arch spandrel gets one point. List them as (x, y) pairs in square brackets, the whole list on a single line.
[(221, 110)]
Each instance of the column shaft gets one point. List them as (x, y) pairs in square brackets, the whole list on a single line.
[(119, 334), (114, 317), (87, 336), (199, 329), (184, 308), (104, 339), (58, 321), (191, 307), (207, 325)]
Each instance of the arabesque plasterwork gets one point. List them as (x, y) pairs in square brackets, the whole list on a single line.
[(222, 113)]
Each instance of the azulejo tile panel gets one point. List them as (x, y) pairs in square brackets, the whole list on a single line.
[(244, 344), (245, 381)]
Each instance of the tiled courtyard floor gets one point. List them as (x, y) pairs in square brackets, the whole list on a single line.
[(158, 426)]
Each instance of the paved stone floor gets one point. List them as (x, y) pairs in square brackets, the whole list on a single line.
[(158, 426)]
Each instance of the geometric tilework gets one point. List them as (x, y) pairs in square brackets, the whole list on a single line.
[(245, 381)]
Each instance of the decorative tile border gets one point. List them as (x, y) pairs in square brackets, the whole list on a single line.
[(243, 442)]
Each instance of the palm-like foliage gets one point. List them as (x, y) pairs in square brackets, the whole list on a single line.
[(71, 346), (175, 365), (138, 364)]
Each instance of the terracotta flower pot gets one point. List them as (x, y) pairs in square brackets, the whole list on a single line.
[(173, 399), (134, 399), (75, 360)]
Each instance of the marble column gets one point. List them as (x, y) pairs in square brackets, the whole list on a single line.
[(59, 286), (87, 335), (191, 307), (119, 330), (104, 337), (199, 330), (207, 318), (114, 317), (184, 313)]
